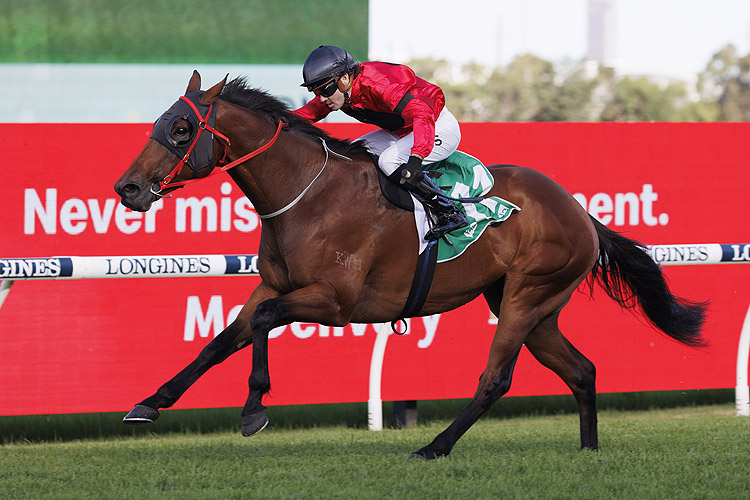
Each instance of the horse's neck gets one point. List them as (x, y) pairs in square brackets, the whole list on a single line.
[(276, 176)]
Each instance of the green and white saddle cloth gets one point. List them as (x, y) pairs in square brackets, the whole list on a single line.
[(463, 176)]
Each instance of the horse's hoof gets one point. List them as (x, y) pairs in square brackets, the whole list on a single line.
[(141, 415), (427, 454), (253, 424)]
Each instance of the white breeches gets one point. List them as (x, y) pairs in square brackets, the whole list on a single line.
[(394, 150)]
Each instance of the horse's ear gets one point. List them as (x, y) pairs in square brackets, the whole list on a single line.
[(195, 83), (213, 93)]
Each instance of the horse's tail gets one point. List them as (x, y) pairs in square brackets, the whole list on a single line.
[(631, 278)]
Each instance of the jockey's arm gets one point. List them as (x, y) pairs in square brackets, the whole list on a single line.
[(420, 115), (313, 111)]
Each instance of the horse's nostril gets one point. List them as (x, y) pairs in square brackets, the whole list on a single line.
[(130, 190)]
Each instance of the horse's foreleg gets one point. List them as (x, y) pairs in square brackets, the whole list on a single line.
[(553, 350), (221, 347), (316, 303), (236, 336)]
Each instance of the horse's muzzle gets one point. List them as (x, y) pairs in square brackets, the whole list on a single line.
[(134, 196)]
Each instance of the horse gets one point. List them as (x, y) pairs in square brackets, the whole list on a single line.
[(318, 196)]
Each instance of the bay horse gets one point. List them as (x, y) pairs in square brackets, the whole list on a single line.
[(314, 203)]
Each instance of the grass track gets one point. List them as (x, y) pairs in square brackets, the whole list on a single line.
[(685, 453)]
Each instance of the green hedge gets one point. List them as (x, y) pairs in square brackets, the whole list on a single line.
[(188, 31)]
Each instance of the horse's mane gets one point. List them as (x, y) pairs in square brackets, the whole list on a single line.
[(239, 92)]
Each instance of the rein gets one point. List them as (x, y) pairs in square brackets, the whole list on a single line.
[(203, 125)]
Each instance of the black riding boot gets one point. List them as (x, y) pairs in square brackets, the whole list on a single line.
[(444, 215)]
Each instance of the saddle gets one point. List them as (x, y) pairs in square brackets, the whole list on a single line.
[(393, 192), (443, 214)]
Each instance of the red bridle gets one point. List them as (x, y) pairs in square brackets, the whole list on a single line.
[(203, 124)]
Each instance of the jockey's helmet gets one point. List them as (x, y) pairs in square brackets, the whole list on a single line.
[(324, 63)]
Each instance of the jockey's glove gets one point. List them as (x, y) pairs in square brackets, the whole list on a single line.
[(411, 171)]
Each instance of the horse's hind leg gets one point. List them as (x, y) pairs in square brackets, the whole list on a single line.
[(515, 321), (236, 336), (553, 350), (526, 300)]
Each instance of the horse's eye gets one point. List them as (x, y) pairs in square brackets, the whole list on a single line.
[(181, 131)]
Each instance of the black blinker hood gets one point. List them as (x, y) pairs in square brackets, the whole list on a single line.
[(202, 154)]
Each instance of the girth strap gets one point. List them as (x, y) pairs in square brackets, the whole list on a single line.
[(421, 284)]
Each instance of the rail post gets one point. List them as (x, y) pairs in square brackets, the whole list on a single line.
[(741, 390), (374, 401), (4, 290)]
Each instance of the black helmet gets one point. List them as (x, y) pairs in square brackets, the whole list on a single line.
[(324, 63)]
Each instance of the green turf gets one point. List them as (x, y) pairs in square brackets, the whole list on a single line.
[(188, 31), (697, 452), (48, 428)]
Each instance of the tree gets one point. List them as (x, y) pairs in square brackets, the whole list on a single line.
[(533, 89), (577, 94), (726, 81), (640, 99), (529, 89)]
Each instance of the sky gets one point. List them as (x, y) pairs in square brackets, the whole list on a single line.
[(667, 37)]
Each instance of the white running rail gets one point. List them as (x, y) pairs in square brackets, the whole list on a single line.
[(173, 266)]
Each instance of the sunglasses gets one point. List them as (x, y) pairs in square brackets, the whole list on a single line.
[(327, 89)]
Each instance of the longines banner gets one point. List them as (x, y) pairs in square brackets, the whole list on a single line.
[(102, 345)]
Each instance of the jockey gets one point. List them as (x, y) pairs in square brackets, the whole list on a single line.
[(415, 127)]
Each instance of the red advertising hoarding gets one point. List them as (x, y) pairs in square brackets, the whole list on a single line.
[(103, 345)]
